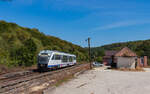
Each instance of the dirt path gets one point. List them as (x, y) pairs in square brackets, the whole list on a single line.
[(99, 81)]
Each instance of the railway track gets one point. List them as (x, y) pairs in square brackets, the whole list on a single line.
[(19, 80), (13, 76)]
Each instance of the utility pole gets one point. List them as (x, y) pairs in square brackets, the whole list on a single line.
[(89, 52)]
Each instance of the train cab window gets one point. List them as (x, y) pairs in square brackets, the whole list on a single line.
[(65, 59), (70, 58), (43, 59), (53, 58)]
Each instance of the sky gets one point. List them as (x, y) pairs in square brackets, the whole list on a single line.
[(104, 21)]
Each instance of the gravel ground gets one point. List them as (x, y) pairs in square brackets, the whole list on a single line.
[(99, 81)]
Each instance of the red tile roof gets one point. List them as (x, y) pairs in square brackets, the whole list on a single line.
[(123, 52)]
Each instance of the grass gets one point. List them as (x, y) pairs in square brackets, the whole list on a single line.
[(138, 69), (58, 83)]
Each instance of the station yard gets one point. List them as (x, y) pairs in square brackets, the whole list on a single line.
[(100, 81)]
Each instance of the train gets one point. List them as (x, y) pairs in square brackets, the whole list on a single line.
[(48, 59)]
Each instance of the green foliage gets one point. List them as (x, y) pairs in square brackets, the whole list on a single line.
[(19, 46), (25, 55), (99, 59)]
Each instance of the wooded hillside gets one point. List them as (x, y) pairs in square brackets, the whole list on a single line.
[(19, 46)]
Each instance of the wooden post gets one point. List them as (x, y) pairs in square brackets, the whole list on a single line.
[(89, 53)]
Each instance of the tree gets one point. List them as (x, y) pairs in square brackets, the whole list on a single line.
[(26, 54), (99, 59)]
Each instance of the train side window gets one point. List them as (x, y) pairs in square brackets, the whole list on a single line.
[(74, 58), (65, 59), (70, 58), (57, 57)]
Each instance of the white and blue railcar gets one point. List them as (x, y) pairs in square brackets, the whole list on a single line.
[(48, 59)]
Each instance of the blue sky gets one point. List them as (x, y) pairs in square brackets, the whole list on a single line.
[(105, 21)]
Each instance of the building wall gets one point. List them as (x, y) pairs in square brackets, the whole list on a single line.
[(126, 62)]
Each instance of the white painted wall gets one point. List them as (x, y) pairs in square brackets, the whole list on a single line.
[(126, 62)]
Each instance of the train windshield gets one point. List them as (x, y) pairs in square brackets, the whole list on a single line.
[(43, 59)]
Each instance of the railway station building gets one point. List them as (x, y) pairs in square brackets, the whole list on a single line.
[(125, 58)]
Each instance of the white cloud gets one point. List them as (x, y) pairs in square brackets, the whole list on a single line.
[(120, 24)]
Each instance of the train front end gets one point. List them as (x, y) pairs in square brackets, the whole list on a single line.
[(43, 60)]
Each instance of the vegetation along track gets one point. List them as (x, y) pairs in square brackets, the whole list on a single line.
[(11, 83)]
